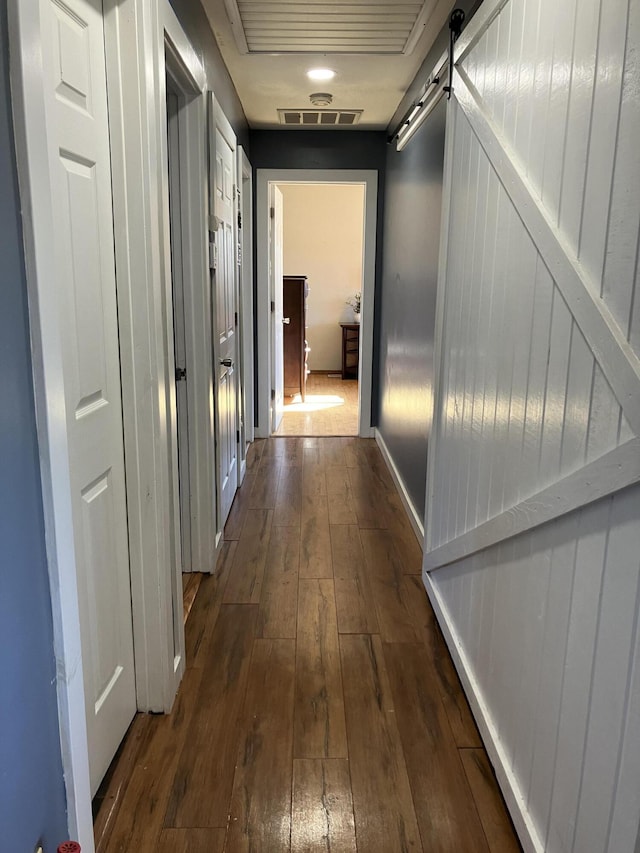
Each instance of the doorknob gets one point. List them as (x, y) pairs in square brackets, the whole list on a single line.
[(286, 320), (227, 362)]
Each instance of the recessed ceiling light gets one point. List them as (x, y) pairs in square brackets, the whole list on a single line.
[(321, 74)]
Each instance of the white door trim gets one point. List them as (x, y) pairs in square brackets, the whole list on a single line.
[(188, 75), (368, 178), (136, 80), (276, 297), (135, 134), (245, 182)]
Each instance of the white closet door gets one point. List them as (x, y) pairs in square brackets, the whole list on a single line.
[(78, 144), (222, 158)]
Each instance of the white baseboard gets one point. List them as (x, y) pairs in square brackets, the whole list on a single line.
[(516, 803), (416, 522)]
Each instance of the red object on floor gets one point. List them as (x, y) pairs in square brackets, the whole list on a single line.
[(69, 847)]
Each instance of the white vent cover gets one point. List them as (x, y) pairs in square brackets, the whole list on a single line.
[(319, 118), (303, 26)]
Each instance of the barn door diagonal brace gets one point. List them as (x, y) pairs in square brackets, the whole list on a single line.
[(604, 337)]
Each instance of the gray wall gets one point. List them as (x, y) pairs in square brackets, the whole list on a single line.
[(413, 198), (318, 149), (32, 797), (196, 25), (329, 149)]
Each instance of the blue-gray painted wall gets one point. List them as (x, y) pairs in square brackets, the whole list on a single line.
[(318, 149), (413, 212), (413, 200), (32, 796)]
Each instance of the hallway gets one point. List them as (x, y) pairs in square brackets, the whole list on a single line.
[(320, 709)]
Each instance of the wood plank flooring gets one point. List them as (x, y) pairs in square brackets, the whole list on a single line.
[(320, 711)]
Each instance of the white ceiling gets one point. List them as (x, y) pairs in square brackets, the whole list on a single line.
[(374, 48)]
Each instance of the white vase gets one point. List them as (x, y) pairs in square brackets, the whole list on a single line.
[(356, 316)]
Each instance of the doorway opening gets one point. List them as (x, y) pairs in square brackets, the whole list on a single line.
[(316, 259), (177, 290), (175, 103), (322, 266), (179, 95)]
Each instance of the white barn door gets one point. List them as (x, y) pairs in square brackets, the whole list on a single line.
[(84, 278), (533, 526), (222, 179)]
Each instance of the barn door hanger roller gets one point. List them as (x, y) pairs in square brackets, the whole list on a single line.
[(455, 28), (432, 90)]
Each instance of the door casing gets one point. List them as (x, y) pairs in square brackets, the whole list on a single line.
[(245, 308), (276, 271), (175, 103), (264, 344)]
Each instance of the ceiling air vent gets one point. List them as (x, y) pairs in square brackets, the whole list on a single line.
[(319, 118), (306, 26)]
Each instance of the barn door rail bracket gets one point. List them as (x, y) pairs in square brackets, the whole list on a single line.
[(456, 22), (420, 109)]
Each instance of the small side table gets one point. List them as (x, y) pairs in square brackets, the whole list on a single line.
[(350, 350)]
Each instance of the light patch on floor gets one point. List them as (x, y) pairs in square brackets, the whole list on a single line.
[(314, 403), (330, 408)]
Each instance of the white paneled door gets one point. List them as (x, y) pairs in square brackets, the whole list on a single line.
[(84, 278), (222, 159)]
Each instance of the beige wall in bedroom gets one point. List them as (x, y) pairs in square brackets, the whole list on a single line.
[(323, 239)]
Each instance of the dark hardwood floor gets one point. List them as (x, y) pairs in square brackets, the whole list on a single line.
[(320, 710)]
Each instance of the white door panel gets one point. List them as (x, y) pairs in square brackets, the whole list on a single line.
[(223, 205), (240, 349), (78, 139), (245, 313)]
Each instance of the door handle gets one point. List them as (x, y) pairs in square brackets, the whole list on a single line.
[(227, 362), (286, 320)]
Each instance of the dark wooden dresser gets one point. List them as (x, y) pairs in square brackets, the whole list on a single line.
[(350, 350), (294, 310)]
